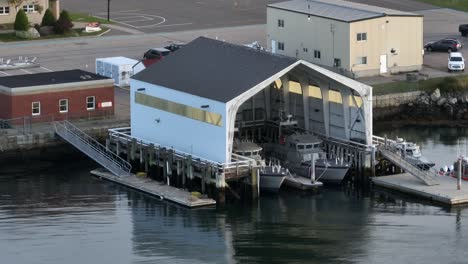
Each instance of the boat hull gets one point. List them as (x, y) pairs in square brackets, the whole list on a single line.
[(301, 183), (330, 174), (271, 181)]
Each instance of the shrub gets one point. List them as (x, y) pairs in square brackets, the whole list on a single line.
[(452, 84), (64, 23), (21, 21), (48, 19)]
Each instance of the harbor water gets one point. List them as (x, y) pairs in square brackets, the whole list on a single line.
[(57, 213)]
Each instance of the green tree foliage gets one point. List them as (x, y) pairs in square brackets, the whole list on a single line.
[(64, 23), (48, 19), (21, 21)]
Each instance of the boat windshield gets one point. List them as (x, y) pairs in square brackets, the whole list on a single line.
[(300, 146)]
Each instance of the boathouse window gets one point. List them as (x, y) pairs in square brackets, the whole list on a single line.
[(179, 109), (63, 105), (36, 108), (90, 103), (280, 45), (4, 10)]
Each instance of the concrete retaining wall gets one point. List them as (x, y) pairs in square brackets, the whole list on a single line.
[(394, 100)]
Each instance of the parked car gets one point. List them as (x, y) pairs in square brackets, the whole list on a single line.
[(173, 47), (456, 62), (156, 53), (463, 29), (447, 44)]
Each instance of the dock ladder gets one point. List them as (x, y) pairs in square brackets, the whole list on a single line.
[(429, 177), (92, 148)]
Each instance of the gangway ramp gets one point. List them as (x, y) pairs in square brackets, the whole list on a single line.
[(429, 177), (92, 148)]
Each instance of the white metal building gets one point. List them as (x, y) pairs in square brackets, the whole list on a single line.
[(355, 39), (193, 100), (118, 68)]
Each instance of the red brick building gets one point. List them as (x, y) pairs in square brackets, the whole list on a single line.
[(56, 95)]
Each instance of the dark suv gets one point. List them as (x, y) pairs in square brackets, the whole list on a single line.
[(463, 29), (449, 45)]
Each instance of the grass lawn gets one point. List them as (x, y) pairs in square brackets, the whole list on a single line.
[(426, 86), (455, 4), (10, 37), (79, 17)]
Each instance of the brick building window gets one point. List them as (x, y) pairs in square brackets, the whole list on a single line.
[(4, 10), (361, 36), (63, 105), (36, 108), (280, 23), (280, 45), (29, 8), (90, 103)]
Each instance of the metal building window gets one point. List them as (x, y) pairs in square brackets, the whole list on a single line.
[(4, 10), (29, 8), (317, 54), (90, 103), (63, 105), (337, 62), (281, 23), (179, 109), (361, 36), (280, 45), (305, 49), (361, 60), (36, 108)]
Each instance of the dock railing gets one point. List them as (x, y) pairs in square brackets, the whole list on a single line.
[(92, 148), (238, 167), (388, 150)]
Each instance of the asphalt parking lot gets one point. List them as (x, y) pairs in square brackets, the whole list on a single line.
[(175, 15)]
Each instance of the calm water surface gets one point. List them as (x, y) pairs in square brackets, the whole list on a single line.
[(60, 214)]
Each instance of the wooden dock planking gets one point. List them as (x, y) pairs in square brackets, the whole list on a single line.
[(446, 192), (157, 189)]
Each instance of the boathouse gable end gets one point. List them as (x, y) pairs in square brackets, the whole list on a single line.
[(178, 120)]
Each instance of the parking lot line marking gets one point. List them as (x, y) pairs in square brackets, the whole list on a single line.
[(168, 25), (139, 15), (5, 73), (25, 71), (44, 68)]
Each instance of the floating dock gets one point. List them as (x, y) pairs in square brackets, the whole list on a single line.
[(445, 192), (157, 189)]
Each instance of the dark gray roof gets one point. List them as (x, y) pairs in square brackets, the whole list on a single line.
[(214, 69), (48, 78), (338, 9)]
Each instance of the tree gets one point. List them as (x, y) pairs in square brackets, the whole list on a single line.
[(48, 19), (64, 23), (21, 21)]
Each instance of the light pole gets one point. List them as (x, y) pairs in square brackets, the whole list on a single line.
[(108, 10)]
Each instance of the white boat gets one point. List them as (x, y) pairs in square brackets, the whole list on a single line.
[(411, 152), (272, 176), (300, 152)]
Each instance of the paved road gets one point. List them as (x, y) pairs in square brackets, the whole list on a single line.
[(81, 53), (403, 5)]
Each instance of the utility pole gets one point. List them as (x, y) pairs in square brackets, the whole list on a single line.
[(108, 10)]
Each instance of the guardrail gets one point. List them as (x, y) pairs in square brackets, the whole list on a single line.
[(92, 148), (238, 163)]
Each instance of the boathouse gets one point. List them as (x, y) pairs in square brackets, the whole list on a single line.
[(59, 95), (199, 99)]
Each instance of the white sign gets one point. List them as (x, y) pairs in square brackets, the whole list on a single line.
[(106, 104)]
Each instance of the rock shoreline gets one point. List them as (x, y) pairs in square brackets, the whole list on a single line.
[(433, 108)]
